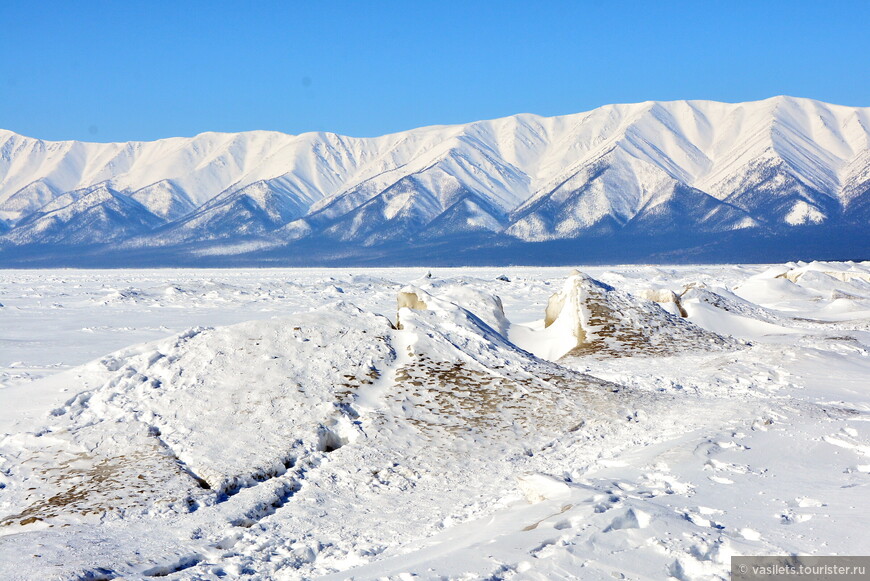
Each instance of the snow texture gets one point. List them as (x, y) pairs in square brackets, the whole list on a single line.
[(521, 423)]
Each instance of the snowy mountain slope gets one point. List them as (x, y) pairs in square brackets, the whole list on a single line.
[(404, 207), (469, 213), (164, 199), (27, 200), (645, 168), (856, 189), (202, 166), (96, 215), (618, 191), (406, 200), (768, 189), (255, 209)]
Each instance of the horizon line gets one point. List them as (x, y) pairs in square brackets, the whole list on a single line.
[(434, 125)]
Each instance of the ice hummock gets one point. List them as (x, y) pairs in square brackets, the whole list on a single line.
[(590, 318)]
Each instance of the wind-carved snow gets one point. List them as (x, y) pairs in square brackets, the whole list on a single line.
[(648, 169)]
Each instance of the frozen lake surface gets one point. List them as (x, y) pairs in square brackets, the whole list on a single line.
[(291, 424)]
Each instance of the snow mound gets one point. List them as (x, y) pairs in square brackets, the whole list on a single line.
[(726, 301), (202, 415), (487, 307), (841, 271), (590, 318), (631, 519), (666, 298), (463, 377), (797, 287), (537, 487), (188, 422)]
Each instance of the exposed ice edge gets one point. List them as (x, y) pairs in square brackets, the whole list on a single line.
[(454, 335)]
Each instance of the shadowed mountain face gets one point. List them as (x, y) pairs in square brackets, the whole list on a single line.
[(93, 216), (687, 170)]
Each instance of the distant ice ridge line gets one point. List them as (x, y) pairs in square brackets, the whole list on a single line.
[(646, 168)]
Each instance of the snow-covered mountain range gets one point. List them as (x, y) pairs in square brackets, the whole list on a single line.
[(652, 169)]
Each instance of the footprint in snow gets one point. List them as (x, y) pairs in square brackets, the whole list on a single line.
[(656, 484), (630, 519), (701, 521), (790, 517), (604, 502), (750, 534), (727, 466)]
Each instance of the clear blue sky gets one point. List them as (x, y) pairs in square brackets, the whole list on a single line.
[(128, 70)]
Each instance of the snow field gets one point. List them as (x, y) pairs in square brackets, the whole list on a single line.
[(330, 435)]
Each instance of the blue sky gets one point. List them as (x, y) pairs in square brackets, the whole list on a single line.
[(127, 70)]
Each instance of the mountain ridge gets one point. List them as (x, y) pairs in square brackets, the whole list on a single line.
[(641, 169)]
